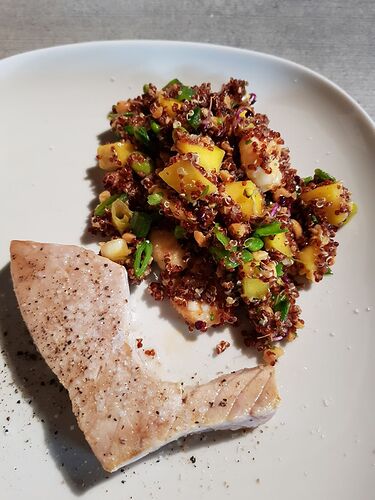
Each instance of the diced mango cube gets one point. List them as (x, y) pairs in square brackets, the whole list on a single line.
[(307, 258), (185, 178), (247, 196), (209, 159), (254, 288), (113, 156), (170, 105), (332, 193), (280, 243)]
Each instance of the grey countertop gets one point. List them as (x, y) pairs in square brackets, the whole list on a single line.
[(333, 37)]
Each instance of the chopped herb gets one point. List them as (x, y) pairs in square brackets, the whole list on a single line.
[(185, 94), (154, 198), (179, 232), (155, 127), (146, 88), (308, 179), (328, 272), (269, 230), (140, 224), (194, 118), (282, 305), (100, 209), (172, 82), (320, 175), (253, 244), (142, 258), (279, 269), (225, 256)]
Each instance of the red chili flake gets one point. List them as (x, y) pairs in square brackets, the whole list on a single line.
[(150, 352), (139, 343), (222, 346)]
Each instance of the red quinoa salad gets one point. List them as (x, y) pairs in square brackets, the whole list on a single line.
[(198, 183)]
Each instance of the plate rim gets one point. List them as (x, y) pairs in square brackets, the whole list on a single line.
[(196, 45)]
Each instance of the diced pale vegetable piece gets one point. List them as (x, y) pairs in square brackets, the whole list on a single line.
[(169, 105), (334, 194), (209, 158), (113, 156), (247, 196), (307, 258), (115, 249), (166, 245), (184, 177), (121, 215), (280, 243), (254, 288), (251, 150)]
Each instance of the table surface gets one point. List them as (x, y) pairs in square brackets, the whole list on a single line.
[(333, 37)]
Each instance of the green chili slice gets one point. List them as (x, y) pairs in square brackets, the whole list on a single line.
[(140, 224), (142, 258), (253, 244), (100, 209), (154, 198), (155, 127), (279, 269), (320, 175), (269, 230), (194, 118)]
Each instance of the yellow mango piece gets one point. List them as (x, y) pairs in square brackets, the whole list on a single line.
[(280, 243), (113, 156), (307, 258), (331, 193), (184, 177), (247, 196), (168, 104), (209, 159), (254, 288)]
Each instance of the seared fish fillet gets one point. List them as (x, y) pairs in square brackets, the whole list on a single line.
[(74, 303)]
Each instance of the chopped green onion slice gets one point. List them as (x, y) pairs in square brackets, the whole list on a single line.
[(220, 236), (253, 244), (140, 133), (146, 88), (194, 118), (328, 272), (128, 113), (154, 198), (308, 179), (142, 258), (282, 305), (179, 232), (269, 230), (246, 256), (129, 129), (100, 209), (279, 269), (172, 82), (185, 94), (320, 175), (155, 127), (140, 224), (225, 255)]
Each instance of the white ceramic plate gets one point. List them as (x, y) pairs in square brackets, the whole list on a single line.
[(321, 443)]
